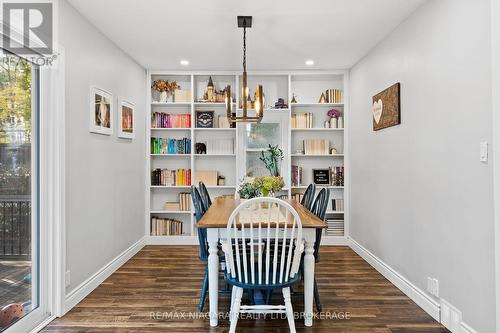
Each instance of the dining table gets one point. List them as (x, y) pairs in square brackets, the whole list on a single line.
[(215, 221)]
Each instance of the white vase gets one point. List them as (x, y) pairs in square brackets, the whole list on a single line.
[(163, 97), (333, 122)]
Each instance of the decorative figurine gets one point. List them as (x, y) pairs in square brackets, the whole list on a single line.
[(322, 98), (280, 104), (294, 100), (210, 90), (200, 148)]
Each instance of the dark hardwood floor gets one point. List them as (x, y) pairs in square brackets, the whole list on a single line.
[(160, 280)]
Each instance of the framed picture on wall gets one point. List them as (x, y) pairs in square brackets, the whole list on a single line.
[(126, 119), (101, 111)]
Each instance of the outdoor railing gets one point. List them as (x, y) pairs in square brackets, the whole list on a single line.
[(15, 226)]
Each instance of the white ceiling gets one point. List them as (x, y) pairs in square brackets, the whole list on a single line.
[(159, 33)]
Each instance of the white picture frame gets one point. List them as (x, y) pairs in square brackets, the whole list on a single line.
[(126, 119), (101, 111)]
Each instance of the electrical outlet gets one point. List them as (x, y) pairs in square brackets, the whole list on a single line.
[(68, 278), (433, 286)]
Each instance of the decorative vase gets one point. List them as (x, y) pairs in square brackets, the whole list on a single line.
[(341, 122), (170, 97), (333, 122), (326, 124), (163, 97)]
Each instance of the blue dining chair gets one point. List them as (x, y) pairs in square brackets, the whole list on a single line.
[(205, 196), (307, 199), (199, 211), (319, 209)]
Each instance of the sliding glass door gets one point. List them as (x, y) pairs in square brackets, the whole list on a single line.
[(19, 191)]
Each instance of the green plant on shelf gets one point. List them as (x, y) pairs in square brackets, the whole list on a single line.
[(272, 158)]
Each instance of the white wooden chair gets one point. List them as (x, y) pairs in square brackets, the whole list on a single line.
[(263, 251)]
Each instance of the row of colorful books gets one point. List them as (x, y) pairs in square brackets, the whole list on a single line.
[(166, 177), (165, 227), (170, 146), (302, 120), (337, 176), (296, 175), (170, 120)]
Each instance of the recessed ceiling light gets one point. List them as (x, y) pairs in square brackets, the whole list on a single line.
[(184, 62), (309, 62)]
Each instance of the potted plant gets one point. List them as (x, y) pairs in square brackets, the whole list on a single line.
[(272, 158), (269, 185), (166, 90)]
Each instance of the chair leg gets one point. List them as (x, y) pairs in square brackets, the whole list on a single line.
[(204, 289), (235, 308), (316, 297), (289, 309)]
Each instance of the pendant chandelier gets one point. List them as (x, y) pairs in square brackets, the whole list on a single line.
[(245, 22)]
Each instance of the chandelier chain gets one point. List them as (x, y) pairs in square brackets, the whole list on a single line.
[(244, 49)]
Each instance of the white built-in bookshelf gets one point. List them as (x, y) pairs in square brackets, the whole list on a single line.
[(237, 162)]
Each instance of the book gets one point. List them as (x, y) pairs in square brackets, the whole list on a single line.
[(170, 120), (167, 177), (185, 201), (172, 206), (170, 146), (165, 227), (338, 205), (296, 175), (302, 120), (316, 147)]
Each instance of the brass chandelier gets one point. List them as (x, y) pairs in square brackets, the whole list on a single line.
[(245, 22)]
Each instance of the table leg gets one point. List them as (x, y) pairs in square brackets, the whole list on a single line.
[(308, 282), (213, 278)]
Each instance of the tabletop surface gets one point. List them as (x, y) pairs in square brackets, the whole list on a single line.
[(220, 210)]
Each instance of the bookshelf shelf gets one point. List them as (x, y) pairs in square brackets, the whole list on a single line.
[(171, 129), (316, 155), (171, 212), (317, 129), (171, 155), (215, 129), (306, 86), (212, 155), (171, 104), (317, 104)]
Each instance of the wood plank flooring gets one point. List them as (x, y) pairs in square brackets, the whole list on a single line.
[(160, 280)]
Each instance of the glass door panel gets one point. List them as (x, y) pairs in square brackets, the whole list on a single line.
[(18, 189)]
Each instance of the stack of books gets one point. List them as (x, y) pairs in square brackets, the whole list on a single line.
[(302, 120), (337, 176), (185, 201), (220, 146), (335, 226), (170, 120), (165, 227), (170, 146), (296, 175), (166, 177), (316, 147), (338, 205), (172, 206), (297, 196)]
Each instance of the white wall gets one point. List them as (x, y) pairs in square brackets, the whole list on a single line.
[(495, 38), (104, 174), (420, 199)]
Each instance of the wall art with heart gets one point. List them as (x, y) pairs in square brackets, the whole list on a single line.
[(386, 108)]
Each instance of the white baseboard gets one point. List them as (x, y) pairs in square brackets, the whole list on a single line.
[(428, 304), (86, 287), (466, 328)]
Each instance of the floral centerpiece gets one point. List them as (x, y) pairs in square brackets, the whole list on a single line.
[(334, 118), (165, 88), (260, 186)]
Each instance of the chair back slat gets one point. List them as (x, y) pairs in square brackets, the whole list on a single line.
[(205, 196), (275, 228), (308, 198), (199, 211), (319, 209)]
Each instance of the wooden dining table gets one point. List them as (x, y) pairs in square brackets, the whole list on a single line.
[(215, 221)]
